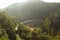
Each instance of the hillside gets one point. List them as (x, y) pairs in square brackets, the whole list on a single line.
[(31, 20), (31, 10)]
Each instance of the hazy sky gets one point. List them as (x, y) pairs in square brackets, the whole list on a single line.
[(5, 3), (51, 0)]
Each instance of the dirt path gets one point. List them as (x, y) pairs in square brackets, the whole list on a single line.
[(18, 37)]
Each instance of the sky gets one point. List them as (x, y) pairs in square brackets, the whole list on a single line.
[(5, 3), (51, 0)]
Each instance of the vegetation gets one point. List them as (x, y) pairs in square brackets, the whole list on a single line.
[(7, 25), (50, 29), (35, 9)]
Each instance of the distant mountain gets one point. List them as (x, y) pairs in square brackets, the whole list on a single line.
[(31, 10)]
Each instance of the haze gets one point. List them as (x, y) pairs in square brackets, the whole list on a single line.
[(5, 3)]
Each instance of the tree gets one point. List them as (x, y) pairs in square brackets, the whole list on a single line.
[(7, 24), (52, 23), (23, 32)]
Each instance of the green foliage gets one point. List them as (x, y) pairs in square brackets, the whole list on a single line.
[(23, 32), (49, 29), (4, 38), (35, 34), (51, 24), (7, 24)]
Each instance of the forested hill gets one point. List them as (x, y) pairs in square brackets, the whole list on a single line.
[(32, 9)]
